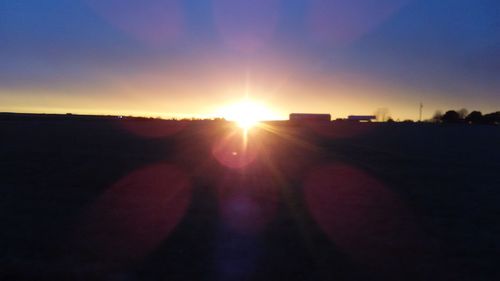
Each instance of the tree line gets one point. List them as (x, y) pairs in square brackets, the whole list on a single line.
[(463, 116)]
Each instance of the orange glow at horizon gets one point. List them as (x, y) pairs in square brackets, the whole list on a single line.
[(247, 113), (281, 89)]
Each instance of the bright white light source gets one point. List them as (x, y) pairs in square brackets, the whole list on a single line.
[(247, 113)]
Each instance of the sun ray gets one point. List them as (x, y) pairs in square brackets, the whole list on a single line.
[(247, 113)]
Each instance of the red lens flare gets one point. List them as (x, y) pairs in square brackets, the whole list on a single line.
[(363, 217), (246, 26), (136, 214), (236, 150), (154, 22), (339, 23)]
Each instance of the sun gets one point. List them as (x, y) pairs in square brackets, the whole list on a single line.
[(247, 113)]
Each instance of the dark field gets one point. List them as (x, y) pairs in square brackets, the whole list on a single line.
[(151, 200)]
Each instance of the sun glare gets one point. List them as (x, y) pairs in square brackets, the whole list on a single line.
[(247, 114)]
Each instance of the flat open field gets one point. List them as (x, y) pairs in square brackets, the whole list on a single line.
[(153, 200)]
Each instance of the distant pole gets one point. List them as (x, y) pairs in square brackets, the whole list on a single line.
[(420, 116)]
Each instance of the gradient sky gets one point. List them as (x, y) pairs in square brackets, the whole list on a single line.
[(177, 58)]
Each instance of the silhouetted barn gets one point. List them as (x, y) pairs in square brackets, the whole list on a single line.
[(310, 117)]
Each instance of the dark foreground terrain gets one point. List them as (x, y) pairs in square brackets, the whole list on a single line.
[(91, 199)]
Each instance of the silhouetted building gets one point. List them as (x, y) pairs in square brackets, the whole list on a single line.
[(361, 118), (310, 117)]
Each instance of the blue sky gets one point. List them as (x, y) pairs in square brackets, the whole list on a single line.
[(188, 57)]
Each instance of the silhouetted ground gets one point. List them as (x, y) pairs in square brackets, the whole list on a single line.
[(108, 199)]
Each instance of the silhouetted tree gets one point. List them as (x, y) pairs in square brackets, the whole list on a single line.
[(492, 118), (438, 115), (451, 116), (475, 117), (390, 120), (462, 113)]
